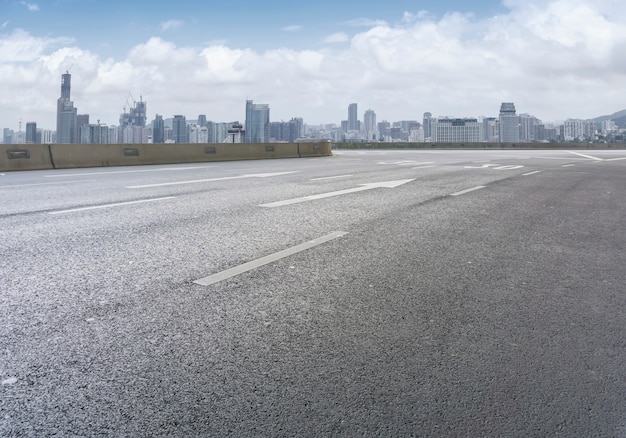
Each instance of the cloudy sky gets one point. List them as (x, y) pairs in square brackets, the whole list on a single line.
[(555, 59)]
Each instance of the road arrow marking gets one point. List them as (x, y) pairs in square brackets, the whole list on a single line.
[(362, 187), (175, 183)]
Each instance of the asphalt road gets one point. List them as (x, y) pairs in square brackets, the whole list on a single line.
[(372, 293)]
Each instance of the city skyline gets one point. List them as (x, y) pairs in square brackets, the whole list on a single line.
[(555, 59)]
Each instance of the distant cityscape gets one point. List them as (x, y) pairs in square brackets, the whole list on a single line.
[(133, 128)]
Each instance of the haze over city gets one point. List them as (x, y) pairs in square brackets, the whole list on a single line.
[(555, 59)]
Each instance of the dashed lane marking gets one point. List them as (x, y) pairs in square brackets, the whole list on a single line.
[(330, 177), (117, 204), (237, 270), (462, 192)]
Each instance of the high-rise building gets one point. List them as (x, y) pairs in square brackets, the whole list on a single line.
[(447, 130), (94, 134), (353, 118), (67, 129), (7, 136), (287, 131), (527, 129), (202, 120), (257, 128), (509, 123), (81, 120), (138, 113), (427, 128), (369, 122), (179, 130), (136, 116), (490, 129), (158, 130), (31, 132), (573, 130)]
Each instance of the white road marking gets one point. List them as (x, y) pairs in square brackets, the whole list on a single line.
[(585, 155), (113, 172), (568, 165), (406, 162), (423, 167), (224, 178), (237, 270), (117, 204), (362, 187), (531, 173), (330, 177), (615, 159), (47, 184), (462, 192), (496, 166)]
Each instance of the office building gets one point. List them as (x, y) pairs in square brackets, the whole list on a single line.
[(353, 118), (509, 123), (257, 127), (447, 130), (426, 126), (31, 132), (94, 134), (179, 130), (158, 130), (67, 129), (490, 130), (370, 127)]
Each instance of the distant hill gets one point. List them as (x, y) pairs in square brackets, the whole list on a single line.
[(619, 118)]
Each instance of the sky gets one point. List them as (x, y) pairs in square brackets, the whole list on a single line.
[(555, 59)]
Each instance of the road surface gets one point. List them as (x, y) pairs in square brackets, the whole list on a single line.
[(377, 293)]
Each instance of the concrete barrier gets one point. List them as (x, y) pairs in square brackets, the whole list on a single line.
[(65, 156), (315, 149), (25, 157), (90, 155)]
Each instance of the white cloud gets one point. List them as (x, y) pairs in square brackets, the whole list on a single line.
[(31, 6), (339, 37), (365, 22), (554, 59), (294, 28), (172, 25)]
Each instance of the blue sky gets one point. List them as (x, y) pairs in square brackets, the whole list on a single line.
[(554, 58), (112, 27)]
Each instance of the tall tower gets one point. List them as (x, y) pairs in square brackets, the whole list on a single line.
[(158, 130), (67, 131), (509, 123), (31, 132), (257, 128), (353, 118), (179, 129), (427, 125), (369, 120)]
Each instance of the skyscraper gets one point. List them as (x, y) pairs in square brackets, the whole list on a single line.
[(31, 132), (67, 130), (257, 128), (353, 118), (427, 126), (179, 130), (369, 120), (509, 123), (158, 130)]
